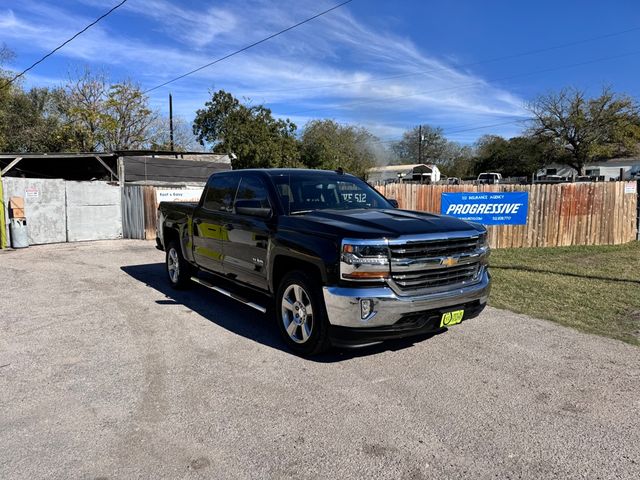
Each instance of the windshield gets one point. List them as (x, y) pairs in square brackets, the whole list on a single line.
[(301, 193)]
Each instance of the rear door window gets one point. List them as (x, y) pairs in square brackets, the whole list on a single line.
[(220, 193), (252, 193)]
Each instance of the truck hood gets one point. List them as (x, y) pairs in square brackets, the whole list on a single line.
[(369, 223)]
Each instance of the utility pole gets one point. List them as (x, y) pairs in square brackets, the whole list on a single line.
[(420, 144), (171, 122)]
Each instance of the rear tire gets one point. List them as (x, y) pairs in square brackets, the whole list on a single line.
[(179, 270), (301, 315)]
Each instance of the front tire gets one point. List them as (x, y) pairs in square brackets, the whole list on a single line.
[(179, 270), (301, 315)]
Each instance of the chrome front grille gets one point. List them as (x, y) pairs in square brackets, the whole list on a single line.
[(445, 248), (436, 264), (436, 277)]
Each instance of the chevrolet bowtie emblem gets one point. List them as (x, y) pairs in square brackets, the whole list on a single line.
[(449, 261)]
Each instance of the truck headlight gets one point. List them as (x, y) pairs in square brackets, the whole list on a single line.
[(483, 245), (364, 261), (483, 241)]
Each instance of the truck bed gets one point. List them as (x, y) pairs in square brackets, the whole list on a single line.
[(178, 207), (173, 214)]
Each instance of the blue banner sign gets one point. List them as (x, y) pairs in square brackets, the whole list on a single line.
[(487, 208)]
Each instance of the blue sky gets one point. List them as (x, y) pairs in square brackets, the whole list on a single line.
[(385, 65)]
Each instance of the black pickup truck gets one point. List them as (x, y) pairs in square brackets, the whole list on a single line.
[(336, 261)]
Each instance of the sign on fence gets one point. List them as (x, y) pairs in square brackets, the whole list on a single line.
[(487, 208), (178, 194)]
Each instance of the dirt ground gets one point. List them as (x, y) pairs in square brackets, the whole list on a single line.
[(105, 372)]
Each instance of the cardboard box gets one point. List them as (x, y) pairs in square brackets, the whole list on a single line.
[(17, 213), (16, 202)]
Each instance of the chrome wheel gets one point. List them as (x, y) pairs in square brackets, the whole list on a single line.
[(297, 313), (173, 265)]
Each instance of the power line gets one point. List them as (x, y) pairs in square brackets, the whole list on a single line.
[(462, 130), (9, 82), (468, 85), (462, 65), (481, 127), (243, 49)]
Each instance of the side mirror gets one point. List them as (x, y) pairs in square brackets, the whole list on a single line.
[(393, 202), (252, 208)]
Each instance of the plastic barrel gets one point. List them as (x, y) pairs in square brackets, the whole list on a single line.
[(18, 230)]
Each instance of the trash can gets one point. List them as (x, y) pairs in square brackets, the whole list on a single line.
[(18, 230)]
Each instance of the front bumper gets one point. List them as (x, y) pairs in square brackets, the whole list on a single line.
[(389, 308), (423, 323)]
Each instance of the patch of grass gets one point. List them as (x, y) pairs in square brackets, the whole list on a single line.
[(595, 289)]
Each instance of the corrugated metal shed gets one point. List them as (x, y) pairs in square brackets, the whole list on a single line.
[(133, 224)]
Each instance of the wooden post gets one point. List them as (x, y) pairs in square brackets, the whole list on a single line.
[(120, 172), (3, 227), (420, 144), (637, 210), (171, 122), (102, 162), (11, 165), (123, 197)]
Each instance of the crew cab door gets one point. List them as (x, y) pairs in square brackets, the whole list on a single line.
[(247, 233), (210, 220)]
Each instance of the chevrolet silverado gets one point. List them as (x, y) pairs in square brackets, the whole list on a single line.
[(332, 259)]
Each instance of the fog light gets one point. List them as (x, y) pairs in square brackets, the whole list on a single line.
[(366, 308)]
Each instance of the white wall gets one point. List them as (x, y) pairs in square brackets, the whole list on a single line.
[(93, 211), (61, 211), (44, 207)]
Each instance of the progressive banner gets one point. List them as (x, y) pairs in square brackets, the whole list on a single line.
[(490, 208)]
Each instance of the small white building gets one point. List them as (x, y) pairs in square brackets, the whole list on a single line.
[(607, 169), (418, 172)]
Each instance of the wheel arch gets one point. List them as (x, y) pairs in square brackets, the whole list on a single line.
[(170, 234), (285, 263)]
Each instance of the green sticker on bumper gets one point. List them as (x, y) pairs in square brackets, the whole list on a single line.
[(451, 318)]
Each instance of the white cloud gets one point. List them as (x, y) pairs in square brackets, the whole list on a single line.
[(290, 73), (193, 27)]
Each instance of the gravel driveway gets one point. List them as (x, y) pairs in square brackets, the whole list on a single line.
[(105, 372)]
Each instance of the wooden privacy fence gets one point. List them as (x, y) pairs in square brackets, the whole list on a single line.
[(559, 215)]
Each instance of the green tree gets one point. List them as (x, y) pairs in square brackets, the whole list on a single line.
[(326, 144), (6, 93), (105, 116), (250, 133), (87, 114), (587, 129), (82, 105), (517, 157), (31, 122), (457, 161), (429, 145), (183, 138), (433, 143), (126, 118), (492, 154)]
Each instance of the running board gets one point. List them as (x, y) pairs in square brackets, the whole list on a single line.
[(229, 294)]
